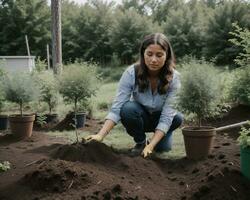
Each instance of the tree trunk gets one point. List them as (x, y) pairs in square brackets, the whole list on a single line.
[(21, 107), (56, 36), (77, 139)]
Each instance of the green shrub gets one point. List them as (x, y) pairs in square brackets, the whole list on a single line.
[(40, 65), (111, 74), (240, 90), (48, 88), (241, 40), (244, 138), (199, 94), (103, 105), (20, 88)]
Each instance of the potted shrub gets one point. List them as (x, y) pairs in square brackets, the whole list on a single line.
[(199, 96), (48, 93), (244, 141), (78, 83), (21, 88)]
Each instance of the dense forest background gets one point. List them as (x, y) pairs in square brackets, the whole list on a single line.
[(108, 33)]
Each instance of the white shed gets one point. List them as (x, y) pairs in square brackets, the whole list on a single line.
[(15, 63)]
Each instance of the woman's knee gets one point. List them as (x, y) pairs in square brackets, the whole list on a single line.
[(178, 119)]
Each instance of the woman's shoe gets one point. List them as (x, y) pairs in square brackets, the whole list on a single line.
[(138, 148)]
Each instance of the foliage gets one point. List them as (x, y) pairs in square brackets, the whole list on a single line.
[(185, 28), (70, 19), (40, 65), (78, 82), (103, 105), (103, 32), (219, 27), (242, 40), (226, 80), (20, 88), (93, 32), (143, 7), (20, 18), (240, 89), (40, 119), (111, 74), (244, 138), (4, 166), (162, 10), (48, 88), (128, 30), (199, 93)]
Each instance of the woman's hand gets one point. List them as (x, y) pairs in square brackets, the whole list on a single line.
[(96, 137), (147, 151), (107, 126)]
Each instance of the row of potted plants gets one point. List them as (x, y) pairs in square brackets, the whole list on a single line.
[(76, 84)]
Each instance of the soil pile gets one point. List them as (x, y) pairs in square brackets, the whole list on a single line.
[(94, 152), (96, 171), (56, 176)]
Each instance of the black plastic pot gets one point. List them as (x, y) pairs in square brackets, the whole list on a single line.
[(80, 119), (3, 122), (51, 118)]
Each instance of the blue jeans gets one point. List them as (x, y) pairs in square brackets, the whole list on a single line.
[(137, 121)]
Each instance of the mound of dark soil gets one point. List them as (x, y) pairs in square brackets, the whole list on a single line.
[(56, 176), (225, 184), (95, 171), (95, 153)]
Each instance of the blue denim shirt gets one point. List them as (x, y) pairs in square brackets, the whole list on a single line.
[(127, 91)]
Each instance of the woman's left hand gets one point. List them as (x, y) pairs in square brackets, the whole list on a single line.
[(147, 151)]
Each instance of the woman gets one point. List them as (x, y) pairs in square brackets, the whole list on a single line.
[(145, 98)]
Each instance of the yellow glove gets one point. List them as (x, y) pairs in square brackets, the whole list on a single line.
[(147, 151), (96, 137)]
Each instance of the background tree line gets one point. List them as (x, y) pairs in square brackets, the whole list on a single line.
[(109, 33)]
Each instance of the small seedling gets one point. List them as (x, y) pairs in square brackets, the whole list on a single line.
[(4, 166)]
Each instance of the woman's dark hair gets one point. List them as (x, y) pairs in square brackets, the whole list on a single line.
[(166, 73)]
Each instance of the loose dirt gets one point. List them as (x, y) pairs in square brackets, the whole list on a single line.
[(46, 167)]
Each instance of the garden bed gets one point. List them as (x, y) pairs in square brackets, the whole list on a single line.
[(45, 167)]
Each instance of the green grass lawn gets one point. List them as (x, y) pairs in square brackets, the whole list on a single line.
[(118, 138)]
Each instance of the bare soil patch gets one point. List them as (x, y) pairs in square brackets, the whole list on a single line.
[(45, 167)]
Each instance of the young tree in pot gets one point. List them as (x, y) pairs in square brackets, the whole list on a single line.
[(77, 83), (48, 86), (21, 88), (199, 95)]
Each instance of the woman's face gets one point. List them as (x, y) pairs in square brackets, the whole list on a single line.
[(154, 57)]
